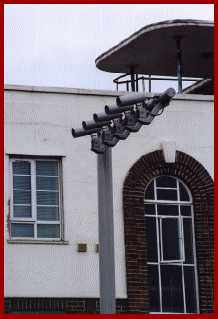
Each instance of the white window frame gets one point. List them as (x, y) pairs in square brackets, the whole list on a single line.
[(180, 239), (33, 220), (180, 218)]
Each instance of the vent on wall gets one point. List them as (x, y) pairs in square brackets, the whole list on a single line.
[(81, 247)]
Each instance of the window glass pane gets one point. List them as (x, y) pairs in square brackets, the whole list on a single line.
[(47, 168), (46, 183), (190, 291), (21, 168), (170, 239), (22, 197), (22, 230), (153, 284), (171, 210), (47, 213), (151, 236), (48, 231), (172, 290), (150, 209), (47, 198), (184, 196), (187, 226), (22, 182), (166, 181), (149, 193), (186, 210), (22, 211), (166, 194)]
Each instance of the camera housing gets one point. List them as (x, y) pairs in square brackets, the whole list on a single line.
[(114, 109), (130, 99), (88, 125), (100, 117), (79, 131)]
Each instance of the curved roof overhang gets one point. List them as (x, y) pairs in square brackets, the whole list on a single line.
[(153, 50)]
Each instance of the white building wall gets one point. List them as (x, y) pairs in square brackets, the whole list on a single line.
[(38, 121)]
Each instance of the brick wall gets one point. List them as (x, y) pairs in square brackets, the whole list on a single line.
[(200, 184), (64, 305)]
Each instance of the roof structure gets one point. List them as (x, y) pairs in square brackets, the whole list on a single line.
[(205, 87), (153, 50)]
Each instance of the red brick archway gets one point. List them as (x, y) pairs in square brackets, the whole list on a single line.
[(201, 185)]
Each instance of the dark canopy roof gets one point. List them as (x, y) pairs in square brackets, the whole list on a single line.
[(152, 50), (205, 87)]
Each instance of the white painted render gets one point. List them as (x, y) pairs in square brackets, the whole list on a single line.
[(38, 121)]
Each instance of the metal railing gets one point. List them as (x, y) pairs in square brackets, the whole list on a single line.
[(148, 78)]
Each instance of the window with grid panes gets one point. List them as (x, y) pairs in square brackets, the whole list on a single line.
[(172, 273), (35, 199)]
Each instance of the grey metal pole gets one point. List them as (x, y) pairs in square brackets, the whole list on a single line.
[(179, 64), (106, 233)]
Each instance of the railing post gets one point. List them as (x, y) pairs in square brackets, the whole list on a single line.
[(143, 84), (149, 81), (132, 74), (137, 83)]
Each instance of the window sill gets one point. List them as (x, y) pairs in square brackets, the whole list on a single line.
[(42, 242)]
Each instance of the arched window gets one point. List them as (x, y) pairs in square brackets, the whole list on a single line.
[(171, 257)]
